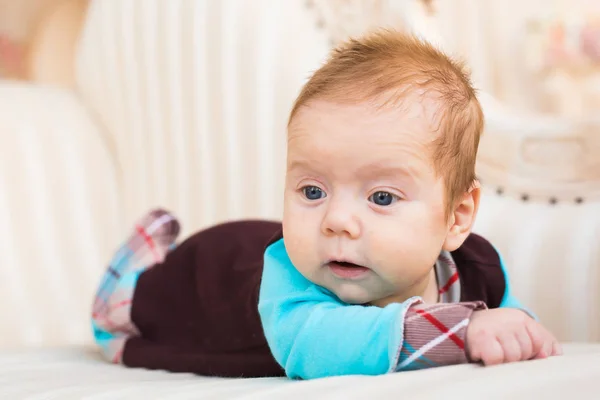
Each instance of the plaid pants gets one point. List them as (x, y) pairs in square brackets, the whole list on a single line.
[(154, 236)]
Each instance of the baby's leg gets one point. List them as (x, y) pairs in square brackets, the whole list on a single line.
[(153, 237)]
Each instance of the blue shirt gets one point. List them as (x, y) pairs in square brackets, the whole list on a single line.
[(312, 334)]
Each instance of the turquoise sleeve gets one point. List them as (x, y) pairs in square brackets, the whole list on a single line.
[(509, 300), (312, 334)]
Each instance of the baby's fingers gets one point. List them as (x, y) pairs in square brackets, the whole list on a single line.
[(557, 349), (538, 340), (554, 348), (547, 343), (526, 344), (511, 348), (492, 353)]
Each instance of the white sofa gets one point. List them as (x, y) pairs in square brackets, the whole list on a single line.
[(182, 104)]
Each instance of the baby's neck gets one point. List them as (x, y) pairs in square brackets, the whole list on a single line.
[(427, 289)]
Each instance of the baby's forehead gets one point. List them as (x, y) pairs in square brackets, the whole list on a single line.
[(360, 136), (384, 115)]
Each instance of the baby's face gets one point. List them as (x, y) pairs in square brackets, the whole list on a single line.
[(364, 211)]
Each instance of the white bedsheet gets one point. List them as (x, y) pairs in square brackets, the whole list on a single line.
[(81, 374)]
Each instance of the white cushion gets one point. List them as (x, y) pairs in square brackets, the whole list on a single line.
[(59, 207), (552, 257), (77, 373)]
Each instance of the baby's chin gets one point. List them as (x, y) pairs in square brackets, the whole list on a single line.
[(352, 293)]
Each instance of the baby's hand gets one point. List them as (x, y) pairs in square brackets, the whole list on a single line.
[(505, 335)]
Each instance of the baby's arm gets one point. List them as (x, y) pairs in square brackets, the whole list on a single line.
[(311, 334), (506, 334), (435, 335)]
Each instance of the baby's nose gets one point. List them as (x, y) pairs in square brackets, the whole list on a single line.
[(341, 221)]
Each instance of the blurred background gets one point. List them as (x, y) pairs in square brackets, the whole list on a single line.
[(109, 108)]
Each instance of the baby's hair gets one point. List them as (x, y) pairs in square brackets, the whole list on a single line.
[(388, 67)]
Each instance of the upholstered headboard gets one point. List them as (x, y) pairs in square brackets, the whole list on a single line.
[(183, 104)]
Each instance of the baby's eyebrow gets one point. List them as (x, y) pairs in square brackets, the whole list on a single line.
[(386, 170), (372, 171), (301, 165)]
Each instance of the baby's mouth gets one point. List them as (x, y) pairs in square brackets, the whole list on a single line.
[(347, 270)]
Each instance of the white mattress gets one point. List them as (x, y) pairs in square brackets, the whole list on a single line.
[(80, 373)]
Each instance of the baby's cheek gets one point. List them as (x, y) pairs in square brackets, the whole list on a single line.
[(299, 243), (400, 248), (395, 236), (391, 248)]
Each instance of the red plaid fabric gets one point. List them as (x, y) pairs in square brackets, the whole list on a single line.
[(149, 243), (434, 335), (447, 276)]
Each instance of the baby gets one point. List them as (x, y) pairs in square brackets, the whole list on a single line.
[(374, 268)]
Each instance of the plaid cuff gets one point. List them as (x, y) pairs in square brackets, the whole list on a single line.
[(434, 335)]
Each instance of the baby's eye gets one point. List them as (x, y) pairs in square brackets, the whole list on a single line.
[(383, 198), (313, 193)]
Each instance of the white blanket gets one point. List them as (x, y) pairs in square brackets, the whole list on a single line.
[(81, 373)]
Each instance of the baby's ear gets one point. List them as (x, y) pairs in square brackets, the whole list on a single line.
[(462, 218)]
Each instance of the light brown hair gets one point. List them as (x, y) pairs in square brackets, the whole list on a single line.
[(391, 65)]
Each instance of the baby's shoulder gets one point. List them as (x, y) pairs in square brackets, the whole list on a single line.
[(481, 271)]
